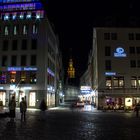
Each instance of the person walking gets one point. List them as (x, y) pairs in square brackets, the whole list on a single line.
[(43, 108), (12, 108), (23, 108)]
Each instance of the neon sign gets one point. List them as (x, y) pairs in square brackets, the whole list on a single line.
[(110, 73), (119, 52), (21, 69)]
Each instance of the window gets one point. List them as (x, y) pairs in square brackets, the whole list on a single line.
[(132, 50), (106, 36), (24, 44), (107, 51), (137, 36), (114, 36), (118, 82), (34, 29), (23, 60), (33, 60), (25, 30), (139, 81), (4, 60), (134, 81), (5, 45), (108, 64), (23, 77), (14, 60), (131, 36), (12, 77), (14, 45), (2, 77), (15, 30), (6, 30), (33, 79), (132, 63), (138, 63), (138, 50), (34, 44), (108, 82)]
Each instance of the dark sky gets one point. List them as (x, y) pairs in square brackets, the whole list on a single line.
[(73, 21)]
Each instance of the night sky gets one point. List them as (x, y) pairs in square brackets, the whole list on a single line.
[(73, 22)]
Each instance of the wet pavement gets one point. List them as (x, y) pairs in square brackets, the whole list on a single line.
[(77, 124)]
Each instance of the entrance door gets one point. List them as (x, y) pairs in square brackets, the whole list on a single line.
[(32, 99), (2, 97)]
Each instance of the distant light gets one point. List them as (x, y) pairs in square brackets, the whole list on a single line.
[(37, 16), (21, 16)]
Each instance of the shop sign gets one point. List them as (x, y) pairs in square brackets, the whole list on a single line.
[(110, 73), (119, 52), (21, 68)]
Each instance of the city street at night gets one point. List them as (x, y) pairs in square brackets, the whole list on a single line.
[(79, 124)]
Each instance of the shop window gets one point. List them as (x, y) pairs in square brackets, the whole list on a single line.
[(33, 79), (2, 77), (134, 81), (12, 77)]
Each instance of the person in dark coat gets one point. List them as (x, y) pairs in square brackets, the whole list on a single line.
[(23, 108), (12, 109), (43, 108)]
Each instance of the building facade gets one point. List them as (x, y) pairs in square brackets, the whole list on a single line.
[(28, 54), (116, 66)]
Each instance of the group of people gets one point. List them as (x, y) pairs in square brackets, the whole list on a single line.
[(12, 109), (23, 108)]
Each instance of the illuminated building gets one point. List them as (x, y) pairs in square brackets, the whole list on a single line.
[(116, 66), (71, 70), (28, 52)]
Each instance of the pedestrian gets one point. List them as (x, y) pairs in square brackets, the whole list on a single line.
[(137, 110), (12, 108), (43, 108), (23, 108)]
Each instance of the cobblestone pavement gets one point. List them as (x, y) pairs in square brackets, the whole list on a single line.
[(65, 124)]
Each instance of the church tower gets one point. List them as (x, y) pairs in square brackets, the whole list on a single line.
[(71, 69)]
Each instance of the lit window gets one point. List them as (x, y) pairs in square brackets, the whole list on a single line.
[(23, 77), (15, 30), (12, 76), (6, 30), (24, 29), (108, 82), (2, 77), (134, 81), (35, 29)]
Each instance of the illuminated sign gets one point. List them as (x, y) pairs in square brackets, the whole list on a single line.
[(119, 52), (110, 73), (1, 88), (22, 69), (85, 89), (50, 72)]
